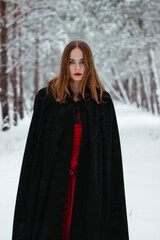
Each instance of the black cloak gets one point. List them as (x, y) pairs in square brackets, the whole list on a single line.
[(99, 207)]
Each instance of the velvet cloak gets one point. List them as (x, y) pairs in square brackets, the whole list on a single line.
[(99, 207)]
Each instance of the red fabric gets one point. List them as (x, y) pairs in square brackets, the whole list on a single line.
[(72, 180)]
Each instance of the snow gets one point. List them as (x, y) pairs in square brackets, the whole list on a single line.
[(140, 144)]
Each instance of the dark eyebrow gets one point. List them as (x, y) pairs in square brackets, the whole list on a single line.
[(74, 59)]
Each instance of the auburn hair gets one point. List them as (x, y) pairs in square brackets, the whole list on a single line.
[(58, 86)]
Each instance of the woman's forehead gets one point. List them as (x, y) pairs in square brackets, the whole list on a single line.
[(76, 53)]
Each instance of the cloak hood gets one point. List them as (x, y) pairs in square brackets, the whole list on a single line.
[(99, 207)]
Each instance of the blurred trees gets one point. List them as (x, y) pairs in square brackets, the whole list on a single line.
[(123, 35)]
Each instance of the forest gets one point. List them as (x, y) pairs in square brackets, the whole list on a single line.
[(124, 37)]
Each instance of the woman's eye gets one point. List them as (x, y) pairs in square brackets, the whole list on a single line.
[(70, 62)]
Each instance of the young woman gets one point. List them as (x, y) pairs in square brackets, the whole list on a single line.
[(71, 184)]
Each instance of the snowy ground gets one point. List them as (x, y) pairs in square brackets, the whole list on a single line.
[(140, 143)]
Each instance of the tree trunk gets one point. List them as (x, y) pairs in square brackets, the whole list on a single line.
[(147, 89), (152, 85), (134, 91), (120, 86), (36, 78), (156, 79), (14, 72), (4, 77), (142, 91), (20, 99)]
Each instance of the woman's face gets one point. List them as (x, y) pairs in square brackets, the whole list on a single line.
[(76, 64)]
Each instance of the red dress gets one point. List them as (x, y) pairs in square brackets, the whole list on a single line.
[(72, 179)]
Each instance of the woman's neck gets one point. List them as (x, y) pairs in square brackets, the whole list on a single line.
[(75, 86)]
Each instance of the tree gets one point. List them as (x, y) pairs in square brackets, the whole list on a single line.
[(4, 76)]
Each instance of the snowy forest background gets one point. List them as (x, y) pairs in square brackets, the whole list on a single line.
[(124, 37)]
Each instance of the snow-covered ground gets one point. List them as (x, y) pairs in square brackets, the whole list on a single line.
[(140, 144)]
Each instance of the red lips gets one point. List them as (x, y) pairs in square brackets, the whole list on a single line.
[(78, 74)]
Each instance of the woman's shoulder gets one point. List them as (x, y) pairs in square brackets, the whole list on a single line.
[(41, 92), (105, 95), (43, 95), (42, 98)]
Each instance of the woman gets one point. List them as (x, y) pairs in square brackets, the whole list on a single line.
[(71, 184)]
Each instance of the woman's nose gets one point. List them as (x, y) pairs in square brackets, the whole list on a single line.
[(77, 66)]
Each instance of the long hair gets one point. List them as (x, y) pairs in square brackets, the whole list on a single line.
[(59, 85)]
